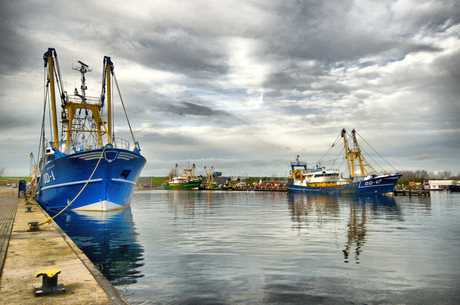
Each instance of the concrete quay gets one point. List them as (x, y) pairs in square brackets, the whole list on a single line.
[(25, 253)]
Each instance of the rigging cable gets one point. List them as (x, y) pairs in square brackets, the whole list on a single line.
[(41, 144), (124, 109), (377, 152), (382, 158), (327, 152), (361, 148), (58, 77), (49, 113), (340, 153)]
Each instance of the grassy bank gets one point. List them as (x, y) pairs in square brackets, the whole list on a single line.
[(14, 178)]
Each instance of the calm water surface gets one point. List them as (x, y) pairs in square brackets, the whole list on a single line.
[(190, 247)]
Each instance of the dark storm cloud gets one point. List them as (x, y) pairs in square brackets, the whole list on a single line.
[(184, 54), (8, 121), (339, 30), (295, 77), (186, 108), (449, 66), (249, 78), (13, 45)]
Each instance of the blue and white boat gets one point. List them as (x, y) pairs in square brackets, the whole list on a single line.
[(83, 166), (363, 178)]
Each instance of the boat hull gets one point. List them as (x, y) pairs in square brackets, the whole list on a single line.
[(190, 185), (373, 186), (111, 187), (454, 188)]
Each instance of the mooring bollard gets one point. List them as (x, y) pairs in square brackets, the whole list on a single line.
[(50, 283), (33, 226)]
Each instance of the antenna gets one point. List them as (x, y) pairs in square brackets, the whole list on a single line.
[(83, 69), (83, 64)]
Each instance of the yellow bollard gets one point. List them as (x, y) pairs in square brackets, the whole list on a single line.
[(50, 285)]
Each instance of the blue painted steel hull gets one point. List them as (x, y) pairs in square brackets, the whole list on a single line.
[(373, 186), (110, 188)]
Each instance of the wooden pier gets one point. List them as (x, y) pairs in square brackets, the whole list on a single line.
[(411, 191)]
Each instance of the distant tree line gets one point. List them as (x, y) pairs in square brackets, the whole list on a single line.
[(421, 175)]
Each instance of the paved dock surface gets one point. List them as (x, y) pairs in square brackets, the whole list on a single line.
[(8, 206), (23, 254)]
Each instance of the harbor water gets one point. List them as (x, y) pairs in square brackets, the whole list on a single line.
[(217, 247)]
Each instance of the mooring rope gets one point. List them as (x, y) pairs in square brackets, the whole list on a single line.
[(48, 221)]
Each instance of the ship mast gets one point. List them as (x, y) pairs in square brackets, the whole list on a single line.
[(84, 124), (355, 159), (84, 68), (109, 68), (190, 172), (49, 60), (349, 160), (75, 124)]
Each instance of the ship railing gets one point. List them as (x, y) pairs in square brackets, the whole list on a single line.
[(121, 143), (90, 144), (298, 163), (87, 99)]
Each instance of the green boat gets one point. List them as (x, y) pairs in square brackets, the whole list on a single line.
[(179, 182)]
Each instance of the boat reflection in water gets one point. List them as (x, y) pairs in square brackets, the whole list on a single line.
[(109, 240), (327, 209)]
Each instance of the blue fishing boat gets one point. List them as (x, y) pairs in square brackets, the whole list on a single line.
[(83, 166), (363, 178)]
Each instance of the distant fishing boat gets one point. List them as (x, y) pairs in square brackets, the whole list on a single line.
[(363, 178), (210, 183), (262, 185), (83, 166), (179, 182), (241, 186), (454, 188)]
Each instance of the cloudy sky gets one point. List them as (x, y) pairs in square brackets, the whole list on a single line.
[(245, 86)]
